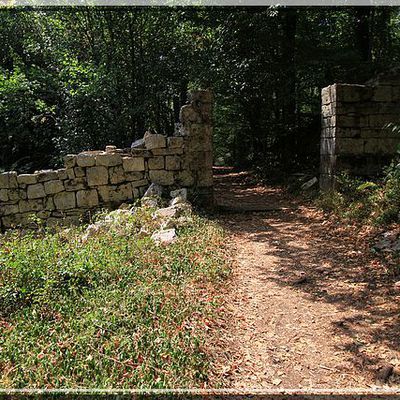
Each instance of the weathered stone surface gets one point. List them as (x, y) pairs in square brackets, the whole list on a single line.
[(165, 237), (142, 182), (134, 176), (79, 172), (8, 180), (175, 142), (8, 209), (162, 177), (156, 163), (97, 176), (70, 173), (70, 160), (47, 175), (154, 141), (133, 164), (3, 195), (108, 160), (64, 200), (27, 179), (52, 187), (16, 194), (31, 205), (185, 178), (110, 148), (36, 191), (204, 178), (73, 185), (168, 151), (138, 144), (189, 114), (86, 160), (183, 193), (49, 203), (87, 198), (172, 163), (117, 174), (154, 190), (115, 194), (62, 174)]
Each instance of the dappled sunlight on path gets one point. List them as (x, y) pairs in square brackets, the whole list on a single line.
[(308, 305)]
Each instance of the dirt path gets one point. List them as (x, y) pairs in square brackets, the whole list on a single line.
[(308, 305)]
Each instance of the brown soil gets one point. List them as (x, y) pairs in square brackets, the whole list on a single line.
[(308, 304)]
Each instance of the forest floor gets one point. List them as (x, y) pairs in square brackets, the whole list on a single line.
[(308, 304)]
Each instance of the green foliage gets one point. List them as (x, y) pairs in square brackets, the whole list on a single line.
[(111, 310), (373, 202), (91, 77)]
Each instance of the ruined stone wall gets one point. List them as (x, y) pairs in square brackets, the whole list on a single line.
[(105, 179), (355, 137)]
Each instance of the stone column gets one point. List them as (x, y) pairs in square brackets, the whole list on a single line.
[(196, 120)]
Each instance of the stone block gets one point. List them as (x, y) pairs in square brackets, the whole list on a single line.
[(108, 160), (52, 187), (185, 178), (189, 115), (27, 179), (49, 203), (172, 163), (382, 93), (134, 176), (87, 198), (70, 173), (70, 160), (31, 205), (14, 220), (154, 141), (64, 200), (8, 180), (162, 177), (142, 182), (345, 121), (133, 164), (15, 194), (202, 96), (156, 162), (62, 174), (168, 152), (46, 175), (349, 146), (79, 172), (175, 142), (86, 160), (3, 195), (115, 194), (326, 95), (36, 191), (204, 178), (8, 209), (73, 185), (381, 146), (97, 176), (117, 174)]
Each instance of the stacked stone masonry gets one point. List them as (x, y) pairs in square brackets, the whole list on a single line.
[(94, 180), (355, 134)]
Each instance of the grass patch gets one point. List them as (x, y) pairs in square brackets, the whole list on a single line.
[(112, 311)]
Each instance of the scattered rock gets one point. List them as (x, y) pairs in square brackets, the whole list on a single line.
[(301, 280), (388, 241), (154, 190), (178, 200), (168, 212), (384, 372), (166, 236), (307, 185), (138, 144), (179, 193), (150, 202), (396, 286)]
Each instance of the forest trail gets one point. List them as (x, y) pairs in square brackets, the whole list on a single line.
[(308, 305)]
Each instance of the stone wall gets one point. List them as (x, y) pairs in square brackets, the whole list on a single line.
[(105, 179), (355, 137)]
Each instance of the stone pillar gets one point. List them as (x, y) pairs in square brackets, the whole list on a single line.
[(196, 120)]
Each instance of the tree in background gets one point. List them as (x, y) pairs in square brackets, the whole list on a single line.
[(76, 79)]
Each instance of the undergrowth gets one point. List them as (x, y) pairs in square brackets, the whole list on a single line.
[(372, 202), (110, 311)]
